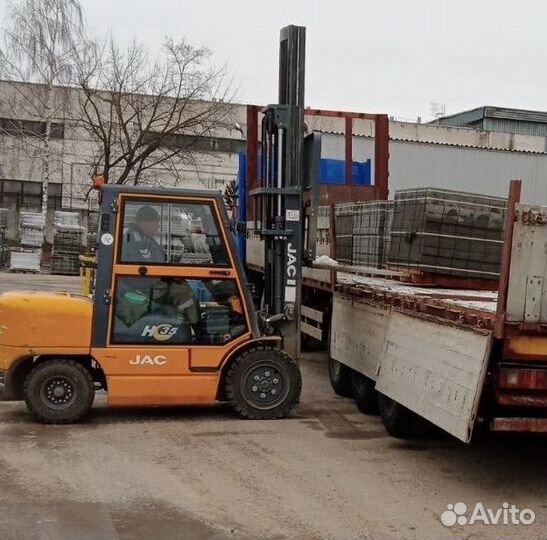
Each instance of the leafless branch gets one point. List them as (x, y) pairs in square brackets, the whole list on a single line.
[(135, 107)]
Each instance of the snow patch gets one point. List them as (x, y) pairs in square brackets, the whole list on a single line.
[(325, 260)]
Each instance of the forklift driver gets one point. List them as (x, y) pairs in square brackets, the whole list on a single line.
[(139, 244)]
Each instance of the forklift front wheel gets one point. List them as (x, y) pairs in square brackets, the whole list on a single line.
[(263, 383), (59, 391)]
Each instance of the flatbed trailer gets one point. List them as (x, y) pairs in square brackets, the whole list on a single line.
[(451, 357)]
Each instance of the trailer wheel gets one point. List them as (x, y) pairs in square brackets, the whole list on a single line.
[(364, 393), (263, 383), (340, 377), (59, 391), (399, 421)]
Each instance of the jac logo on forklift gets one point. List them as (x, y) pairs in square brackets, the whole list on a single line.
[(160, 332), (149, 360), (290, 287)]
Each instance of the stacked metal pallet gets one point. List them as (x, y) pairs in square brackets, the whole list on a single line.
[(25, 260), (180, 245), (344, 215), (371, 227), (67, 243), (31, 228), (362, 233), (31, 236), (448, 232), (4, 212), (92, 232)]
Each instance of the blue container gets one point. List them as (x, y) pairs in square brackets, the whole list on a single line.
[(333, 171), (241, 218)]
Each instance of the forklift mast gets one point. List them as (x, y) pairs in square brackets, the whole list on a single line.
[(279, 215)]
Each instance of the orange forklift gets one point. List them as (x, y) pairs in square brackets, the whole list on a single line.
[(172, 321)]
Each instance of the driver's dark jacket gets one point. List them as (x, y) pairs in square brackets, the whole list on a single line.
[(139, 248)]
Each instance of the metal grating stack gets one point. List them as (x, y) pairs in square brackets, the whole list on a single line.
[(448, 232), (344, 215), (31, 228), (25, 260), (67, 243), (92, 231), (362, 233), (371, 226), (4, 212), (31, 235)]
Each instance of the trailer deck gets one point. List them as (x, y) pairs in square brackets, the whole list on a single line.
[(476, 308)]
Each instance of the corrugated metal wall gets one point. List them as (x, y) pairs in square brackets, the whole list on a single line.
[(468, 169), (500, 120), (465, 118), (505, 125)]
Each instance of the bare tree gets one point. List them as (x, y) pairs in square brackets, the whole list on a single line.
[(40, 45), (148, 115)]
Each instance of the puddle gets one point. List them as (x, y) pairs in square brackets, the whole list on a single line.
[(148, 520), (336, 425), (234, 433)]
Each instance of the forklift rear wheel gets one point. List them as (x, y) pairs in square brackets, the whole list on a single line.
[(340, 377), (399, 421), (364, 393), (59, 391), (263, 383)]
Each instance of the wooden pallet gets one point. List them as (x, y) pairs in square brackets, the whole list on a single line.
[(366, 271), (415, 277), (421, 278), (426, 306)]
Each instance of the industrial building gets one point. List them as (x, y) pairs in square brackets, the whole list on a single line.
[(499, 119), (73, 155), (477, 151)]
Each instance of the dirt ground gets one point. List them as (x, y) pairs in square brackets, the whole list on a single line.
[(326, 472)]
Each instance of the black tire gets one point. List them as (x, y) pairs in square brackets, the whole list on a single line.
[(364, 393), (399, 421), (59, 391), (263, 383), (340, 378)]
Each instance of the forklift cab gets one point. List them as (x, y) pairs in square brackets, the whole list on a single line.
[(167, 272), (172, 316)]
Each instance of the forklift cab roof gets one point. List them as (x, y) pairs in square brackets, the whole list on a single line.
[(116, 189)]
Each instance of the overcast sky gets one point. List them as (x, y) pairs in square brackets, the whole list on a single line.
[(392, 56)]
